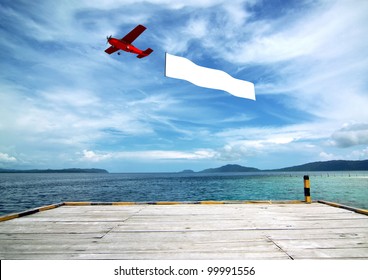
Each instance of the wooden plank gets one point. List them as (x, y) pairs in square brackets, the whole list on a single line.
[(323, 243), (310, 234), (61, 246), (53, 236), (330, 253), (187, 231), (188, 235), (150, 256), (60, 227)]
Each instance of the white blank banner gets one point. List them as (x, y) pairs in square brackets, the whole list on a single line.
[(181, 68)]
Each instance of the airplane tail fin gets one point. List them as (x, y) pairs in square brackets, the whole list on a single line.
[(145, 53)]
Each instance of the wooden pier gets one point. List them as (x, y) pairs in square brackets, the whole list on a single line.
[(210, 230)]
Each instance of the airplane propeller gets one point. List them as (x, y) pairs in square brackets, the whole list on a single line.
[(108, 38)]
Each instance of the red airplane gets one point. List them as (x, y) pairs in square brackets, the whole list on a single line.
[(125, 44)]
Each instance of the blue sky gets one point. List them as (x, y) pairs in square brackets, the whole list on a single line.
[(66, 103)]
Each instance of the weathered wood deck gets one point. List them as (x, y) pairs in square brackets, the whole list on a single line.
[(187, 231)]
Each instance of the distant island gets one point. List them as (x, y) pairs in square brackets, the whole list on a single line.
[(230, 168), (187, 171), (67, 170), (332, 165)]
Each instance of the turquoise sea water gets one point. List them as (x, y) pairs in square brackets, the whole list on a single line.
[(19, 192)]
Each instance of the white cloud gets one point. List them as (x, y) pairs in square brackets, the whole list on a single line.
[(238, 118), (242, 149), (328, 156), (167, 155), (352, 134), (196, 28), (348, 153), (148, 155), (360, 154), (259, 142), (70, 97), (272, 134), (7, 158), (329, 29), (67, 117), (171, 4), (318, 59), (92, 156)]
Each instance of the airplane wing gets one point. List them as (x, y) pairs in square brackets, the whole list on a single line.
[(132, 35), (111, 50)]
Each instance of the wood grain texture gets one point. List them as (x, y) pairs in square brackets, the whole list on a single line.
[(187, 231)]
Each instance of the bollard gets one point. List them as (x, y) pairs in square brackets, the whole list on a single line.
[(307, 189)]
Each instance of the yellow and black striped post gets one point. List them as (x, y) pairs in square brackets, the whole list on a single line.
[(307, 189)]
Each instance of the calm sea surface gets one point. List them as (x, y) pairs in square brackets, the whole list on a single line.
[(19, 192)]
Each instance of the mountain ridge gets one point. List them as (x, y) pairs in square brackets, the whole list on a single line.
[(331, 165), (230, 168)]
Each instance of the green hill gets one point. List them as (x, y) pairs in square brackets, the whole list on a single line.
[(230, 168), (332, 165)]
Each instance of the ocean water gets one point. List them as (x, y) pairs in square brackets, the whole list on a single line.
[(19, 192)]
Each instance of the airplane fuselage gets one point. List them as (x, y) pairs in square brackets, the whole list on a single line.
[(125, 43), (121, 45)]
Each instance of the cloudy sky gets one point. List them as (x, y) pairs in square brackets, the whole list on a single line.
[(66, 103)]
